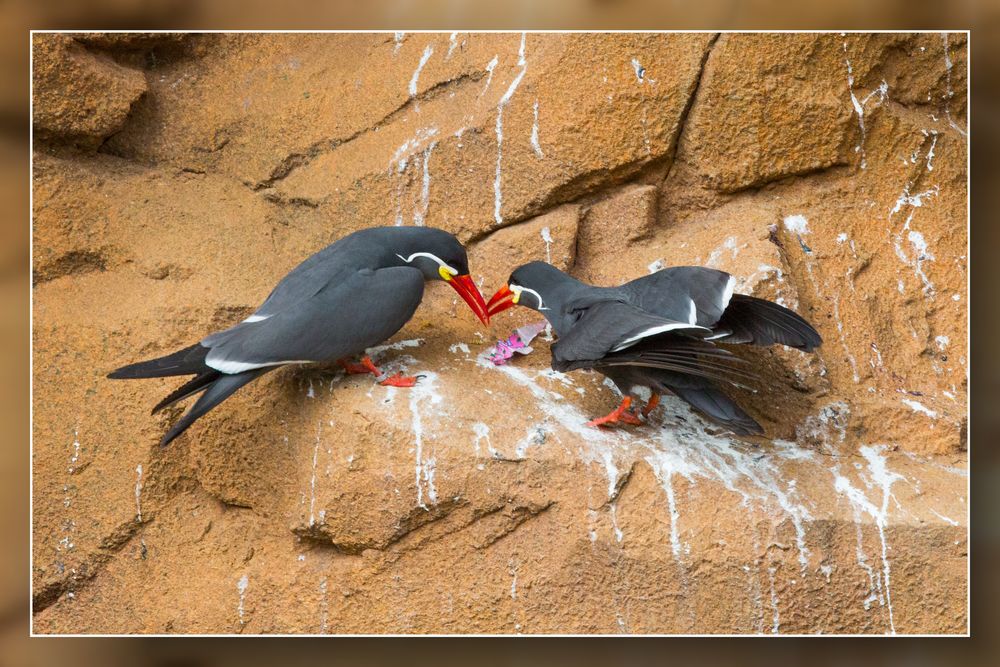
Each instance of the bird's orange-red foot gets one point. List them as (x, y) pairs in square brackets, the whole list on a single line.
[(621, 414), (399, 380), (651, 404), (629, 417), (368, 366)]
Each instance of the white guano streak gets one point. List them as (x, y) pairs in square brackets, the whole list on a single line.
[(420, 214), (241, 588), (537, 147), (640, 71), (397, 346), (666, 464), (883, 479), (138, 493), (423, 393), (76, 451), (948, 91), (324, 606), (921, 251), (859, 105), (799, 225), (490, 66), (497, 195), (775, 618), (917, 406), (312, 481), (428, 50), (400, 161), (547, 239), (482, 432)]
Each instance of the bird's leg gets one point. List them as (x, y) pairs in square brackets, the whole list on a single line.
[(368, 366), (619, 414), (629, 417), (653, 401)]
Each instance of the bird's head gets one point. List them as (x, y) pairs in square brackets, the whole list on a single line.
[(530, 285), (440, 256)]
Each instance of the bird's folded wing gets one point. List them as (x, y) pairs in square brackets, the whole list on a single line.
[(695, 294), (305, 281), (761, 322), (611, 326), (341, 319)]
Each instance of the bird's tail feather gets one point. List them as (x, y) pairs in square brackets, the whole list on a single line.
[(188, 361), (189, 388), (719, 408), (215, 393)]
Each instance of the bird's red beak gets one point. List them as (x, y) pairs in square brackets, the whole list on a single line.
[(467, 289), (499, 302)]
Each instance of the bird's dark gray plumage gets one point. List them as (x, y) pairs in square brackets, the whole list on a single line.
[(659, 331), (353, 294)]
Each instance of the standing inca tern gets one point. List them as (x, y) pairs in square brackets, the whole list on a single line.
[(353, 294), (658, 331)]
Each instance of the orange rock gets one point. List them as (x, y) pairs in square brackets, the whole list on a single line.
[(80, 96)]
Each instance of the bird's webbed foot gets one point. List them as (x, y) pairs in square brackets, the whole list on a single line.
[(384, 379), (366, 366), (621, 414), (400, 380)]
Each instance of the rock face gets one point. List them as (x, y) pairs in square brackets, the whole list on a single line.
[(825, 172), (79, 95)]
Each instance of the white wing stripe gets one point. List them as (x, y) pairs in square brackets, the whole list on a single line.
[(256, 318), (652, 331), (693, 313), (728, 294), (232, 367)]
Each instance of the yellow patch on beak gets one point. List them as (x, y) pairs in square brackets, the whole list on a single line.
[(445, 274), (517, 293)]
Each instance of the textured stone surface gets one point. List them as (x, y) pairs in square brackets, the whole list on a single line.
[(552, 237), (79, 95), (826, 172), (772, 115)]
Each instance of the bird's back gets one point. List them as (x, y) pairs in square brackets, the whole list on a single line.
[(693, 294), (362, 249)]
